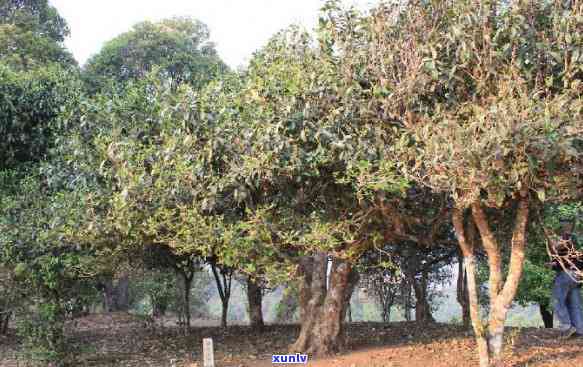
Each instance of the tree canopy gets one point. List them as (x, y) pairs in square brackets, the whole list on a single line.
[(179, 47), (32, 34)]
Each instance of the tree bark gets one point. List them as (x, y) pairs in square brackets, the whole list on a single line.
[(108, 296), (312, 296), (490, 344), (254, 299), (122, 294), (422, 307), (306, 268), (324, 310), (187, 286), (468, 249), (462, 293), (223, 282), (386, 314), (502, 300), (546, 315), (407, 297), (116, 294), (224, 313)]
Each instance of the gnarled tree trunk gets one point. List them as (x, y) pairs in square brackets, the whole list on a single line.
[(254, 299), (323, 304), (490, 343)]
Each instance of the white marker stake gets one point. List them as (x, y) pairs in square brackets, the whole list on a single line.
[(208, 353)]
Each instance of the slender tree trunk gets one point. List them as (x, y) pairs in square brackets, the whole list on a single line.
[(158, 307), (180, 297), (468, 249), (223, 282), (349, 313), (501, 300), (490, 344), (386, 313), (187, 283), (462, 292), (254, 299), (224, 314), (324, 310), (187, 287)]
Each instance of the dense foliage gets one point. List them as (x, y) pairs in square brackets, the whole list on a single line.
[(32, 35), (31, 104), (402, 131), (178, 47)]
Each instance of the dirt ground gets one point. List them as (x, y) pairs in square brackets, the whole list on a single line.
[(124, 340)]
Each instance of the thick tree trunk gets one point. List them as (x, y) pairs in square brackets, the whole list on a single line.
[(324, 306), (422, 307), (108, 296), (490, 344), (546, 315), (254, 299), (306, 268), (407, 297), (122, 293), (312, 296), (116, 295)]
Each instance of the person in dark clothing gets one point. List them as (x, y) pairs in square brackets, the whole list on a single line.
[(566, 292)]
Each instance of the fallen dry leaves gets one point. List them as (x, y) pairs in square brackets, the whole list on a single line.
[(122, 340)]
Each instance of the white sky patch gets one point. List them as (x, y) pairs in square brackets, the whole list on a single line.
[(238, 27)]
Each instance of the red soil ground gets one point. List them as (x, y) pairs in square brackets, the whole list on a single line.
[(124, 340)]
